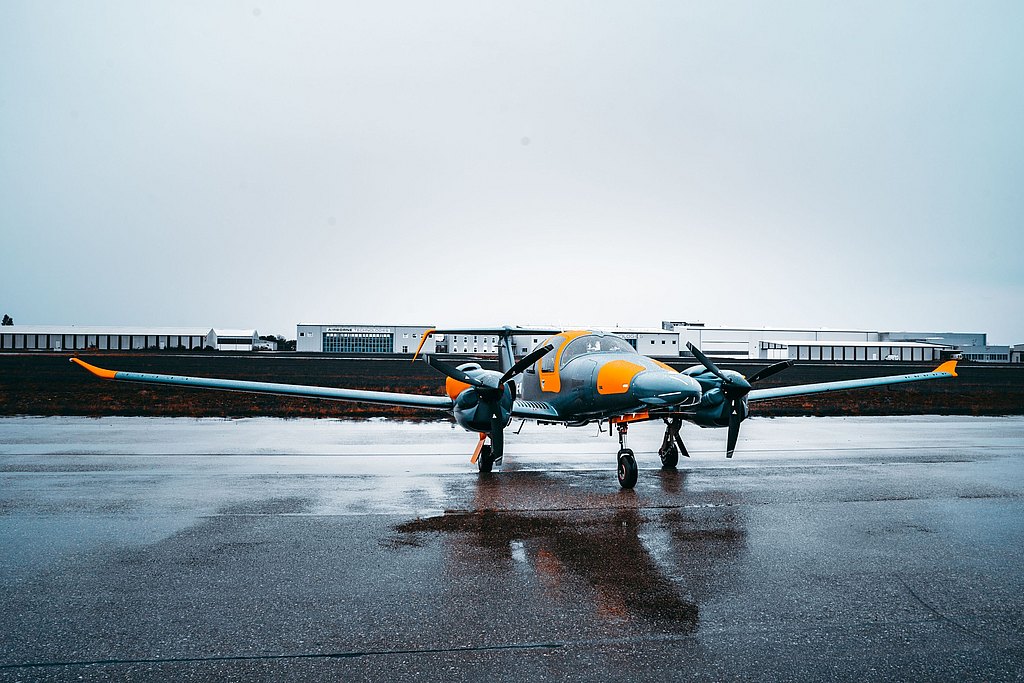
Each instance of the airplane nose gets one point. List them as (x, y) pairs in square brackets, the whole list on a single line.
[(666, 389)]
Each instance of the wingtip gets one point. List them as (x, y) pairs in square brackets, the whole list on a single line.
[(949, 368), (99, 372), (423, 340)]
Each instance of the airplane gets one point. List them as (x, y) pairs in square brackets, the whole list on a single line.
[(573, 378)]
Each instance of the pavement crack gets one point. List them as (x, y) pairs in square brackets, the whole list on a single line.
[(309, 655), (941, 616)]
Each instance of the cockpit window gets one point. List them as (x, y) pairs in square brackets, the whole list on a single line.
[(594, 344), (547, 363)]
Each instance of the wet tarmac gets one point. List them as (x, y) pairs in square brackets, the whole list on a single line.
[(264, 549)]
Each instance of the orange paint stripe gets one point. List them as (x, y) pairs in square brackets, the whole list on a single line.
[(632, 417)]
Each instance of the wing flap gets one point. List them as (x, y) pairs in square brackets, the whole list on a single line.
[(944, 371), (330, 393)]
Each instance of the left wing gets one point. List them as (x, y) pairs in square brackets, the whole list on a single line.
[(947, 369), (385, 397)]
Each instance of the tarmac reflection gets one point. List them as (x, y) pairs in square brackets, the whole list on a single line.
[(635, 563)]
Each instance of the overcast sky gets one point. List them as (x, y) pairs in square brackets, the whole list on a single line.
[(254, 164)]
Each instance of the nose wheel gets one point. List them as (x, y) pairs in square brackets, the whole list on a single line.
[(627, 470)]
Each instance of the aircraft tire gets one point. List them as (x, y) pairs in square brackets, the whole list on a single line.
[(486, 460), (627, 469), (669, 458)]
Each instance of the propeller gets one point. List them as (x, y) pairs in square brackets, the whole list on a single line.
[(736, 387), (489, 393), (769, 371)]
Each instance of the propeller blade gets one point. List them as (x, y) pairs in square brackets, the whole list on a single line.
[(455, 373), (769, 371), (734, 430), (706, 362), (497, 437), (526, 362)]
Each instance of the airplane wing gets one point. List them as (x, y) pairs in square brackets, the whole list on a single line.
[(947, 369), (386, 397)]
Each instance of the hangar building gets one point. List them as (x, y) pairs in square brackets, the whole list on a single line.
[(820, 344), (347, 338), (82, 337), (236, 340), (97, 338)]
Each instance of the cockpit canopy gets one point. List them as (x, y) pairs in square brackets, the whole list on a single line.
[(585, 344)]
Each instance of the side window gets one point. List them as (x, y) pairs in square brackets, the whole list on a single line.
[(547, 364)]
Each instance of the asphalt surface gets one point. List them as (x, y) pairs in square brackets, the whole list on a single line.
[(828, 549)]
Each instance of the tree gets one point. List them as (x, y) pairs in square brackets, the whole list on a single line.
[(8, 320)]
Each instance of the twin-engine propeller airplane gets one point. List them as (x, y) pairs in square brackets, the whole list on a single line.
[(572, 378)]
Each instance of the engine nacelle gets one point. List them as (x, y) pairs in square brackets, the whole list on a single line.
[(714, 409), (474, 412)]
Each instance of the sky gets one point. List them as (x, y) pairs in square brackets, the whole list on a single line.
[(258, 164)]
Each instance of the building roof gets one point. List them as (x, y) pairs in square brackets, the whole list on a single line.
[(846, 342), (107, 330), (234, 333)]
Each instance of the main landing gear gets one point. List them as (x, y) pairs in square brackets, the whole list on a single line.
[(486, 460), (484, 455), (627, 461), (672, 445)]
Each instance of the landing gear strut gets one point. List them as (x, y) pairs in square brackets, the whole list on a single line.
[(627, 461), (672, 446)]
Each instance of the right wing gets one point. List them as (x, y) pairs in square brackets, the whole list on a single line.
[(384, 397), (947, 369)]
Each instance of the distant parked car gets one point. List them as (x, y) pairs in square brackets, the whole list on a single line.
[(892, 356)]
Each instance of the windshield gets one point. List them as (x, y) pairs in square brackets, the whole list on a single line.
[(594, 344)]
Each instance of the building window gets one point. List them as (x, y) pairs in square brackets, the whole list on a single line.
[(358, 342)]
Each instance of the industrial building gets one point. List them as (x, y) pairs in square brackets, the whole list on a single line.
[(90, 337), (347, 338), (108, 338), (987, 354), (236, 340), (648, 341), (822, 344)]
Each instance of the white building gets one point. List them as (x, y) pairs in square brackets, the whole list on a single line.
[(987, 354), (103, 338), (346, 338), (817, 344), (649, 341), (236, 340)]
